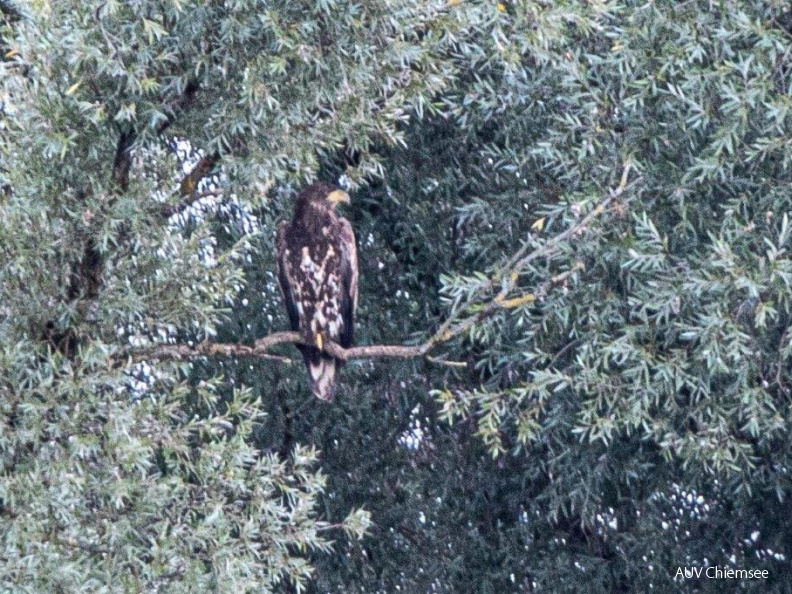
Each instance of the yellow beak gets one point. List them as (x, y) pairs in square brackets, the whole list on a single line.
[(337, 196)]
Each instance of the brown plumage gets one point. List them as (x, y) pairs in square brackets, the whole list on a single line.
[(318, 274)]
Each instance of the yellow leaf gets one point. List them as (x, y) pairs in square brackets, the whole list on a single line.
[(538, 225), (454, 2), (501, 7), (12, 53), (73, 89)]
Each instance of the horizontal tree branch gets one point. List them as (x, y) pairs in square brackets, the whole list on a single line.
[(261, 348)]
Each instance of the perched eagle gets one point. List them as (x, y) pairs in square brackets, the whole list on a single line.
[(318, 274)]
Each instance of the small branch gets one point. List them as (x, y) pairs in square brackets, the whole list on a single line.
[(565, 275), (190, 181), (445, 363), (123, 159), (516, 302), (189, 184)]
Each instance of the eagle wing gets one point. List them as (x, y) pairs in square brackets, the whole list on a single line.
[(349, 282), (284, 277)]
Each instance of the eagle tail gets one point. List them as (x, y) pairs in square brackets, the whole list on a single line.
[(321, 372)]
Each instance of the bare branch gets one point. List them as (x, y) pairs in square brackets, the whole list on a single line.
[(209, 349), (123, 159), (187, 188), (445, 362), (260, 349)]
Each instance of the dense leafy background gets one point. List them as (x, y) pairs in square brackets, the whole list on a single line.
[(630, 420)]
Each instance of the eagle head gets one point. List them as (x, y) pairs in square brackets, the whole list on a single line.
[(321, 196)]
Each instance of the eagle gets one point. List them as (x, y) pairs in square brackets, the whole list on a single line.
[(318, 275)]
